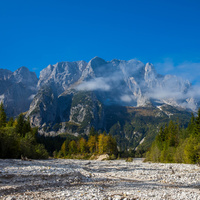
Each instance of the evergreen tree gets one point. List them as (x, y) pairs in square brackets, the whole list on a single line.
[(2, 116), (191, 124), (177, 145), (111, 145), (26, 127), (10, 122), (92, 132), (20, 125), (172, 133), (196, 128)]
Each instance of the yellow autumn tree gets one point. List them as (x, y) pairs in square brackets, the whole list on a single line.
[(92, 144), (72, 147), (101, 144), (82, 145)]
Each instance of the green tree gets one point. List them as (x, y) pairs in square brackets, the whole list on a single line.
[(177, 145), (191, 150), (110, 145), (172, 133), (2, 116), (191, 124), (92, 132), (9, 143), (20, 125), (10, 122)]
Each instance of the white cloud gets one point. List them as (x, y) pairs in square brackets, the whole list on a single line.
[(94, 84), (127, 98), (31, 97), (186, 70)]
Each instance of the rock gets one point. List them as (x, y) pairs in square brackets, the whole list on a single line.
[(10, 198), (103, 157), (17, 90), (87, 163)]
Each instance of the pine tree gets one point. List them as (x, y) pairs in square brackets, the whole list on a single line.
[(26, 127), (172, 133), (10, 122), (191, 124), (92, 131), (2, 116), (111, 147), (196, 129), (20, 125)]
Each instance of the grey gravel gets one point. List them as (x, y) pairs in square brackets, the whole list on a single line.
[(83, 179)]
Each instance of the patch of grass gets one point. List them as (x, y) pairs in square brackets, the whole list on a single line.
[(129, 159)]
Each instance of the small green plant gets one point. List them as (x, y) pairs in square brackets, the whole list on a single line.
[(112, 157), (129, 159)]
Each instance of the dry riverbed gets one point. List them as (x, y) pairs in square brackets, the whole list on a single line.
[(80, 179)]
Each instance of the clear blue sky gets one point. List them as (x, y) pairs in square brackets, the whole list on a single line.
[(35, 33)]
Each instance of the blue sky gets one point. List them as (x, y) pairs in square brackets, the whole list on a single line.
[(35, 33)]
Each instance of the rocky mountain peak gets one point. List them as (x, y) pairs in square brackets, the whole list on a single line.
[(17, 90), (123, 82), (149, 67), (5, 74), (61, 75), (96, 62), (150, 73), (24, 76)]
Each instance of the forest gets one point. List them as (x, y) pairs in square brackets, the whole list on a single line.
[(96, 143), (18, 139), (175, 144)]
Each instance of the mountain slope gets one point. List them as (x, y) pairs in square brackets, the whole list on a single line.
[(126, 98), (129, 99), (17, 90)]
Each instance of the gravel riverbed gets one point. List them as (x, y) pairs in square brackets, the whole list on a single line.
[(92, 179)]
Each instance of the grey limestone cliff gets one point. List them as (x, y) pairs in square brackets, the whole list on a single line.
[(17, 90)]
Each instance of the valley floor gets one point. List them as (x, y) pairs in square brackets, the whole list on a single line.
[(81, 179)]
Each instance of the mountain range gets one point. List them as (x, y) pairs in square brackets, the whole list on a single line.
[(125, 98)]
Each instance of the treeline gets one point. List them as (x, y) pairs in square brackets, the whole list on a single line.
[(95, 143), (18, 139), (176, 144)]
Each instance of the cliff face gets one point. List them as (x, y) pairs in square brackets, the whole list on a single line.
[(72, 111), (17, 90)]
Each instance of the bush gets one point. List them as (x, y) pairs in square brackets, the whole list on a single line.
[(129, 159), (112, 157)]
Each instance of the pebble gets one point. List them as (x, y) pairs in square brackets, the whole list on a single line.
[(79, 179)]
